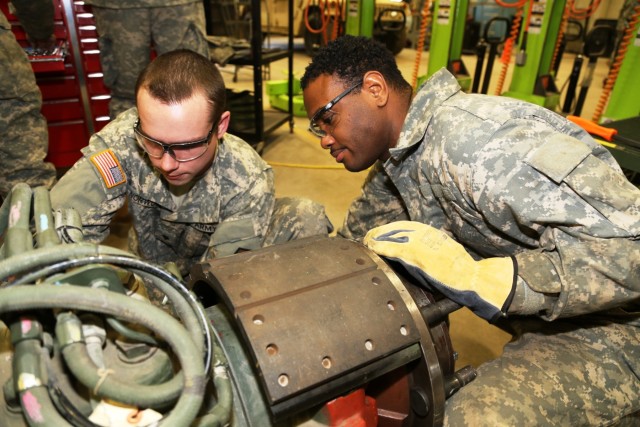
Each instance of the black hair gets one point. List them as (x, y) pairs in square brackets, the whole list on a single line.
[(350, 57)]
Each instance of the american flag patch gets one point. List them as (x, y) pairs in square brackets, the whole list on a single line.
[(109, 168)]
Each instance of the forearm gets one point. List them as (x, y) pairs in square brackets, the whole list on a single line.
[(581, 278)]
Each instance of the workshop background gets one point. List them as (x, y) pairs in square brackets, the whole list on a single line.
[(263, 47)]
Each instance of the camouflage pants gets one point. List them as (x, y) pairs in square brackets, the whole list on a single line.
[(294, 218), (128, 35), (577, 372), (24, 138)]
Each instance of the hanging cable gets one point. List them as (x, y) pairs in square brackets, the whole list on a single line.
[(627, 38), (422, 33), (508, 48)]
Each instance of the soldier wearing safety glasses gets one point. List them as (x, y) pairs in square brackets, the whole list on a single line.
[(506, 208), (194, 191)]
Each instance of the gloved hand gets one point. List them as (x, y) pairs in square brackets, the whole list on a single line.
[(485, 286)]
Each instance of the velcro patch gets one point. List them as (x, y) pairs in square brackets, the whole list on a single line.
[(109, 167)]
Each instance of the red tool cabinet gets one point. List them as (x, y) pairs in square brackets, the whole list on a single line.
[(75, 100)]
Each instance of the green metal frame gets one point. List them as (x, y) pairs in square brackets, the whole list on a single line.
[(533, 81), (447, 34), (360, 15), (624, 101)]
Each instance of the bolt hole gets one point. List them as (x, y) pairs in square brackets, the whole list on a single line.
[(245, 294), (404, 330), (272, 349), (360, 261), (368, 344), (258, 319), (326, 362), (283, 380), (391, 305), (376, 281)]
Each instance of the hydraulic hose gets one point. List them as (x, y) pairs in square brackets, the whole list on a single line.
[(20, 298), (18, 239), (187, 306), (30, 381), (106, 386), (38, 258), (220, 415), (46, 235)]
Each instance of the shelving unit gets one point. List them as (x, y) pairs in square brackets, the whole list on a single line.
[(254, 124)]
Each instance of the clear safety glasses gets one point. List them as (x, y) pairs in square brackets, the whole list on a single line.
[(180, 151)]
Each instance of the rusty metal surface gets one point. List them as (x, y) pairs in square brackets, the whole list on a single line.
[(312, 311)]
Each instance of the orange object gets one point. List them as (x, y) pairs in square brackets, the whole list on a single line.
[(594, 129), (608, 134)]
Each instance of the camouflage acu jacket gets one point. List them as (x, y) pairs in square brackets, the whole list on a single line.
[(508, 178), (228, 208)]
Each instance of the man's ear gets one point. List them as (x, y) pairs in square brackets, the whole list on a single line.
[(375, 84), (223, 124)]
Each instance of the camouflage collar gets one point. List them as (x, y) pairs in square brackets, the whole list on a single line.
[(437, 89)]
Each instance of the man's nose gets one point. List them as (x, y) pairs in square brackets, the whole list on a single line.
[(167, 162), (327, 141)]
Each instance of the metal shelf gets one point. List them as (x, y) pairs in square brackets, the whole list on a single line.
[(263, 122)]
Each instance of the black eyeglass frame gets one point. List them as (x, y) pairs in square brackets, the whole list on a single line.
[(168, 148), (313, 126)]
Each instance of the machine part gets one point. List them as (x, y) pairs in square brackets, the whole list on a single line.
[(567, 107), (495, 34), (319, 331), (599, 40), (320, 317)]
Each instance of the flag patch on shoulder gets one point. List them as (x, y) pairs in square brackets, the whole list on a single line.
[(109, 167)]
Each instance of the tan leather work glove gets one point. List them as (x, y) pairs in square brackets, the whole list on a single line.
[(485, 286)]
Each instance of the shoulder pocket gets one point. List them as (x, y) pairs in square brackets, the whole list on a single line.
[(558, 156)]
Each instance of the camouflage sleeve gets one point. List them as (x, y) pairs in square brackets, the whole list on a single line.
[(378, 204), (36, 16), (582, 214), (247, 213), (92, 191)]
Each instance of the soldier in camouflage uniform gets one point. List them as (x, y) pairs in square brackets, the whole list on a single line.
[(189, 201), (24, 137), (129, 29), (509, 185)]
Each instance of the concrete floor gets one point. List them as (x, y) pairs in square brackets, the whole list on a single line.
[(303, 168)]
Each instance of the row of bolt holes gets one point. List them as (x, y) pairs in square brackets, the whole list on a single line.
[(272, 349)]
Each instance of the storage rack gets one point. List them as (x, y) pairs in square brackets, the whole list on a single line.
[(252, 121)]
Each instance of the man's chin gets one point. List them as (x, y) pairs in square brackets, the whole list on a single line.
[(177, 180)]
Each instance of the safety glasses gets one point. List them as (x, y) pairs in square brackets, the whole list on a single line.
[(319, 119), (180, 151)]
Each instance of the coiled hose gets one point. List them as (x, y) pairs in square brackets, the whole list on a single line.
[(422, 34), (511, 41), (23, 298), (26, 265), (627, 38)]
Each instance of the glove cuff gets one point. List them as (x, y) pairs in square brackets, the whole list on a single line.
[(509, 300)]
